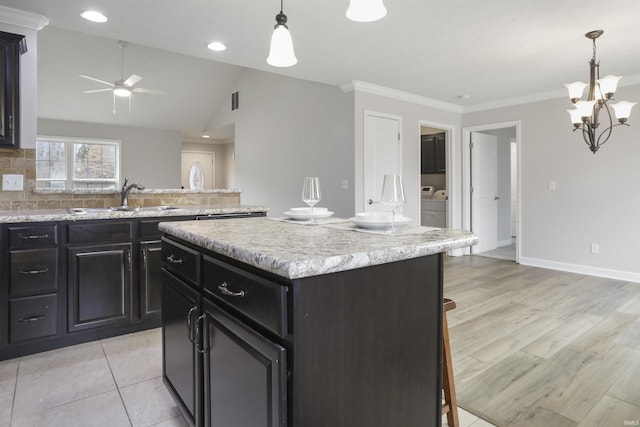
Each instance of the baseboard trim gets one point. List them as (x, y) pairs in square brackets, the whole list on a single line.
[(581, 269)]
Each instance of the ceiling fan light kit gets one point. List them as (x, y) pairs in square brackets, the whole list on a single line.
[(122, 88), (601, 90)]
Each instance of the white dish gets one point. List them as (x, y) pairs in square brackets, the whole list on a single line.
[(381, 223), (376, 216), (307, 216), (307, 210)]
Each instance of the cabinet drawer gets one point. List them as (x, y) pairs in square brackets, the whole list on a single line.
[(100, 232), (259, 299), (33, 271), (181, 260), (33, 236), (32, 317)]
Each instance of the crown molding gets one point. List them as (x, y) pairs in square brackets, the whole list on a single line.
[(21, 18), (359, 86)]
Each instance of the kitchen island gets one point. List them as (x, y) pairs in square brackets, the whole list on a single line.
[(268, 323)]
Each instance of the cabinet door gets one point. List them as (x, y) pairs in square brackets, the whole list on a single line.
[(245, 375), (10, 93), (150, 277), (99, 286), (180, 309), (428, 162)]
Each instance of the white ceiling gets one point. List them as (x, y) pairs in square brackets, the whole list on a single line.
[(493, 50)]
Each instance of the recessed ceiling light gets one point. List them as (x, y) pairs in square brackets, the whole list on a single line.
[(205, 136), (217, 46), (93, 16)]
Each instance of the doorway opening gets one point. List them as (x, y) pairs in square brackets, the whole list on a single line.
[(492, 182), (433, 177)]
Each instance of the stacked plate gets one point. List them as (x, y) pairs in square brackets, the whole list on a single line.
[(304, 214), (378, 220)]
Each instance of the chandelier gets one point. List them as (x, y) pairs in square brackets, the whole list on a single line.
[(586, 114)]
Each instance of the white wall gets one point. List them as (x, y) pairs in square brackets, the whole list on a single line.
[(596, 200), (28, 84), (286, 129), (150, 157), (411, 114)]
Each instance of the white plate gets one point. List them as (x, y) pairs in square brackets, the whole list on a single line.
[(307, 216), (307, 210), (381, 224)]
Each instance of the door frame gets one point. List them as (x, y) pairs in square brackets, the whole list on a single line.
[(450, 177), (466, 176)]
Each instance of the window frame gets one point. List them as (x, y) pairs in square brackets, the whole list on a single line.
[(69, 142)]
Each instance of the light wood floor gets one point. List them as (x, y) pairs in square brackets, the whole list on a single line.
[(534, 347)]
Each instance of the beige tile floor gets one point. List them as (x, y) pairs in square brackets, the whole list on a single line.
[(109, 383), (113, 382)]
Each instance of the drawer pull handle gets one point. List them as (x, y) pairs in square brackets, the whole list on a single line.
[(28, 272), (173, 260), (224, 288), (32, 318), (33, 236)]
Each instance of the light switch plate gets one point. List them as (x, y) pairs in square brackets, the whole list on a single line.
[(12, 182)]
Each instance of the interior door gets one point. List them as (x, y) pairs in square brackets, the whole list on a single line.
[(382, 155), (484, 195), (198, 170)]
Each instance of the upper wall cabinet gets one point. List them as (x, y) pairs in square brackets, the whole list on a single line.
[(433, 149), (11, 46)]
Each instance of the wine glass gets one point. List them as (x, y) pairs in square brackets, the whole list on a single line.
[(311, 193), (392, 196)]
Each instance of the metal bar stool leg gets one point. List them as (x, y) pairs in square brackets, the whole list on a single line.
[(450, 406)]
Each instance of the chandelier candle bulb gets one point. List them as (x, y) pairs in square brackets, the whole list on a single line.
[(622, 110)]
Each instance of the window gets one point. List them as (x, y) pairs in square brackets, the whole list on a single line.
[(70, 163)]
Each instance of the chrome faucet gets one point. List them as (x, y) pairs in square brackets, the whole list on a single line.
[(124, 201)]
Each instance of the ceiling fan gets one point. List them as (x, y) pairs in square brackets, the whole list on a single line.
[(123, 88)]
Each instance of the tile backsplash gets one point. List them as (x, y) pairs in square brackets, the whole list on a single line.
[(23, 162)]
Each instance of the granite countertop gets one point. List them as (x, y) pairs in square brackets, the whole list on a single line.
[(65, 215), (295, 251)]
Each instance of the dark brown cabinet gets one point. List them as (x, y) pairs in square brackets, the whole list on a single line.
[(11, 46), (340, 350), (150, 278), (99, 274), (179, 354), (68, 282), (99, 286), (433, 154), (32, 290), (230, 362)]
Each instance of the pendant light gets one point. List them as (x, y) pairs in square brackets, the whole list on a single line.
[(366, 10), (281, 53)]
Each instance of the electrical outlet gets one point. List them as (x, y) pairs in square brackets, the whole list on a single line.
[(11, 182), (595, 248)]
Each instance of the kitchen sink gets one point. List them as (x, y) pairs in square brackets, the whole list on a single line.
[(80, 211)]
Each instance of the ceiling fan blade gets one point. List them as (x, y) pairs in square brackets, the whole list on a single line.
[(97, 90), (97, 80), (132, 80), (152, 91)]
